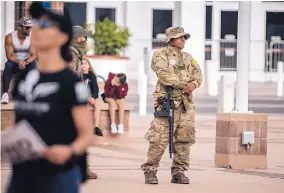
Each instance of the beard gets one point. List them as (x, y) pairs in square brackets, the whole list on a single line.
[(27, 33)]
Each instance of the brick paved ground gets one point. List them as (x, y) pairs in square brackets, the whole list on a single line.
[(118, 164)]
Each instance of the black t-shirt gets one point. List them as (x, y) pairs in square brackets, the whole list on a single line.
[(91, 80), (46, 100)]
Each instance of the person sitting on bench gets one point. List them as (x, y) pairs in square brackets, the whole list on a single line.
[(116, 90), (20, 54), (90, 79)]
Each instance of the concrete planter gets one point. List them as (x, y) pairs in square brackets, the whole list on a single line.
[(102, 65)]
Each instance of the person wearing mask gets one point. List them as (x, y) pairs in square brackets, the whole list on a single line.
[(19, 53), (78, 48), (53, 100)]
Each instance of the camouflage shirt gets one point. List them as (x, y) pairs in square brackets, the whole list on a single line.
[(175, 68), (76, 58)]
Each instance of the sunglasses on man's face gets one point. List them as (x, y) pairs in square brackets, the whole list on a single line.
[(27, 27), (44, 23)]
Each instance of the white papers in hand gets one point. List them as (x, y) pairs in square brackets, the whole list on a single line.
[(21, 143)]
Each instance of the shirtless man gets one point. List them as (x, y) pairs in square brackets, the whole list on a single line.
[(19, 53)]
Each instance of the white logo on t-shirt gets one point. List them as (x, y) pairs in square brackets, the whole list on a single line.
[(25, 88), (31, 91)]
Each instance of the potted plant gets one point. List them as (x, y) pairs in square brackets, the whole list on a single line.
[(109, 42)]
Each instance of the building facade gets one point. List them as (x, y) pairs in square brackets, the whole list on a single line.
[(213, 27)]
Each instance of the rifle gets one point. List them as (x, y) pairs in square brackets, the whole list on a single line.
[(167, 111)]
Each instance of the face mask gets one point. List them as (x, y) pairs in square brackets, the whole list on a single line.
[(81, 46)]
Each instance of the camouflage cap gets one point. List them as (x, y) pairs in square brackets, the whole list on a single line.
[(26, 21), (80, 31), (175, 33)]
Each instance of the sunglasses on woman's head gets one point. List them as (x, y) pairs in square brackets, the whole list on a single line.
[(44, 23)]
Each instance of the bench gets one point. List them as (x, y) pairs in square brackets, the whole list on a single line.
[(7, 121), (105, 123), (7, 116), (105, 118)]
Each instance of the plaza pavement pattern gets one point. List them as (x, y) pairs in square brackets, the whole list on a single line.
[(118, 164)]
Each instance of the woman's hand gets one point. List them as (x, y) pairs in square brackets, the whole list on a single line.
[(58, 154), (113, 82), (92, 100)]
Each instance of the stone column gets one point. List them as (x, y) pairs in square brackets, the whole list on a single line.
[(229, 151), (216, 31), (232, 150), (243, 60)]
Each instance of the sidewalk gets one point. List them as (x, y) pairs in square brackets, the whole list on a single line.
[(118, 165)]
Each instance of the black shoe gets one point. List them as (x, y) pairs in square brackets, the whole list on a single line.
[(98, 132)]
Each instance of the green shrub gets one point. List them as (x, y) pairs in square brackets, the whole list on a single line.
[(109, 38)]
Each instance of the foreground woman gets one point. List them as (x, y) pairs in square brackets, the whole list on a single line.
[(52, 99)]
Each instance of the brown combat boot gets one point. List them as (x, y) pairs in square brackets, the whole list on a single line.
[(180, 178), (91, 175), (150, 177)]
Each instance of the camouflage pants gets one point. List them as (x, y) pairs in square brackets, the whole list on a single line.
[(158, 137)]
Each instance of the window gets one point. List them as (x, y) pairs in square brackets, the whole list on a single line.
[(274, 25), (208, 27), (275, 33), (73, 9), (102, 13), (228, 48), (208, 30), (162, 19), (20, 10), (229, 23), (46, 4)]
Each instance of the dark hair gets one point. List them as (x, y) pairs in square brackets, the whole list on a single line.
[(64, 22), (66, 53), (121, 77), (65, 49)]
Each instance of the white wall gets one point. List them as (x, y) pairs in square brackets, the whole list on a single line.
[(7, 25), (139, 21), (2, 34)]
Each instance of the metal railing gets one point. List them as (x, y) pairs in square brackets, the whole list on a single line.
[(272, 52), (275, 53), (264, 55)]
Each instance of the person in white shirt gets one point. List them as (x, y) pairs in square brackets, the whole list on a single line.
[(20, 54)]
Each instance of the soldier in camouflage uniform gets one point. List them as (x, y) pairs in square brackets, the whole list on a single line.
[(78, 46), (179, 70), (78, 49)]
